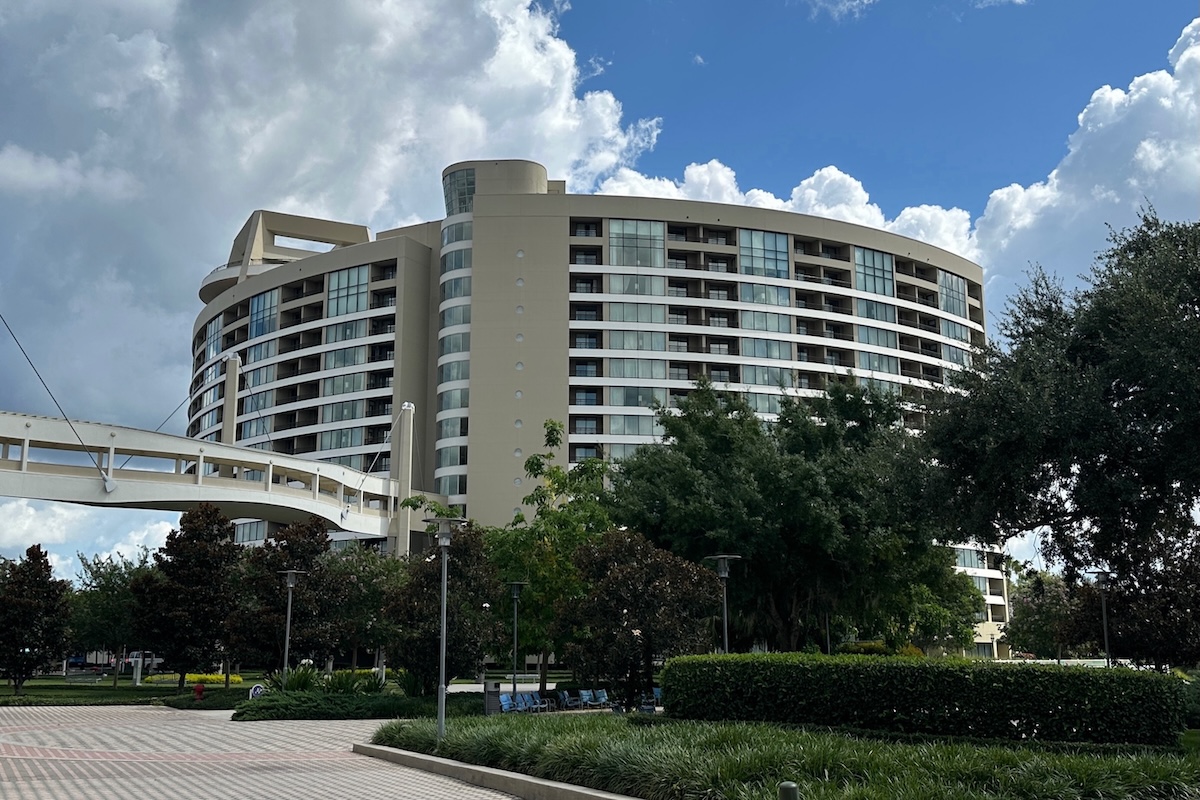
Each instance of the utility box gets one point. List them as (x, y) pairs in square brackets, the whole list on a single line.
[(491, 698)]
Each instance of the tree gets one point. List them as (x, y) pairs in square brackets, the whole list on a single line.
[(415, 609), (1080, 421), (183, 603), (103, 610), (1042, 616), (569, 510), (642, 604), (353, 585), (830, 508), (34, 614), (256, 626)]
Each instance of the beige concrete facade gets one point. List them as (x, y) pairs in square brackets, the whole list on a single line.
[(526, 304)]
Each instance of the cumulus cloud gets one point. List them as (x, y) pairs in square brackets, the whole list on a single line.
[(840, 8), (33, 174), (26, 523)]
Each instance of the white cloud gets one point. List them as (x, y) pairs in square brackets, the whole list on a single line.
[(32, 174), (151, 535), (840, 8), (698, 60), (26, 523)]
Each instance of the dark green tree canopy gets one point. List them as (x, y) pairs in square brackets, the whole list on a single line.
[(34, 613), (1082, 419)]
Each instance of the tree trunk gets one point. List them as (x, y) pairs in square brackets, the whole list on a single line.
[(543, 668), (225, 666), (354, 654), (117, 667)]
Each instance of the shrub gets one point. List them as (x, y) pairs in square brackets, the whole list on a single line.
[(1192, 707), (304, 678), (214, 699), (864, 649), (910, 650), (319, 705), (362, 681), (192, 678), (943, 697)]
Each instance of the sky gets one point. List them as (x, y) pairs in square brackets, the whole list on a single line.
[(138, 135)]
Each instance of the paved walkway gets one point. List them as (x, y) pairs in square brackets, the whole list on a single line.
[(124, 752)]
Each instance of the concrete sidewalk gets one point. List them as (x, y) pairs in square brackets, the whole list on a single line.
[(122, 752)]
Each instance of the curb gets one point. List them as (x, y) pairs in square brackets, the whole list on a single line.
[(514, 783)]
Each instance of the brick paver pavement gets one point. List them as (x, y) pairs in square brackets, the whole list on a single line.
[(127, 752)]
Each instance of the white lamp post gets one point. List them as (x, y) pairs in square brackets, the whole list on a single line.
[(446, 528), (723, 560), (291, 575), (516, 587)]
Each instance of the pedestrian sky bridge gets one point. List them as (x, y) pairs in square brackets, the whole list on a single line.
[(43, 458)]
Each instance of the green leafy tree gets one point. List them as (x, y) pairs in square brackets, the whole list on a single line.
[(1080, 419), (353, 585), (568, 511), (830, 509), (34, 614), (415, 609), (642, 604), (1042, 621), (256, 626), (103, 609), (183, 603)]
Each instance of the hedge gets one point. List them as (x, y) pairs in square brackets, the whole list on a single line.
[(319, 705), (942, 697)]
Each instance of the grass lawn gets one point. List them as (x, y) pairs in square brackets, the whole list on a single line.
[(54, 690), (1191, 742), (747, 761)]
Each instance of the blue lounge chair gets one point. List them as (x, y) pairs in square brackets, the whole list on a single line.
[(602, 699), (507, 704), (551, 701), (588, 700), (532, 703), (567, 701)]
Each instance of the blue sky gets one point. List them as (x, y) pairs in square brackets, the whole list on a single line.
[(141, 134)]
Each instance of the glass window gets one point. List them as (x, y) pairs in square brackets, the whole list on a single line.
[(636, 396), (450, 484), (763, 253), (343, 384), (352, 461), (636, 243), (455, 315), (637, 312), (345, 437), (344, 331), (952, 293), (872, 309), (263, 308), (585, 341), (637, 340), (459, 259), (211, 418), (213, 338), (346, 357), (762, 321), (768, 376), (244, 532), (971, 559), (454, 371), (637, 284), (456, 287), (585, 369), (879, 363), (454, 398), (212, 395), (877, 336), (763, 403), (449, 428), (585, 397), (616, 452), (637, 368), (956, 355), (458, 188), (458, 232), (454, 343), (763, 294), (767, 348), (348, 291), (258, 401), (888, 387), (956, 330), (349, 409), (630, 425), (261, 351), (450, 456), (874, 271), (254, 427), (257, 377), (585, 425)]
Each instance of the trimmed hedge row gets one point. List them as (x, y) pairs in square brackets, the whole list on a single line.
[(943, 697), (319, 705)]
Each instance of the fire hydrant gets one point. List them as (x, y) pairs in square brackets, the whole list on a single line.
[(198, 692)]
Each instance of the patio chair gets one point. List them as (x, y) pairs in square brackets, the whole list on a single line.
[(532, 703), (567, 701), (551, 701), (603, 701), (588, 699), (507, 704)]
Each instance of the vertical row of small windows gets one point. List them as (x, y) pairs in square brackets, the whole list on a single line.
[(952, 293), (763, 253), (264, 308), (874, 271), (458, 232), (212, 338), (636, 243), (456, 259), (458, 188), (348, 291)]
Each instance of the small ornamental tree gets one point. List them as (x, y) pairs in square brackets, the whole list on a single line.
[(34, 614), (642, 604), (104, 611), (415, 611)]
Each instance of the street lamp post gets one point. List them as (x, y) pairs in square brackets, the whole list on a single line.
[(516, 587), (723, 560), (446, 528), (1102, 581), (291, 576)]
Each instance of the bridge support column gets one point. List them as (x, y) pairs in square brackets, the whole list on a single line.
[(24, 455), (229, 425)]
